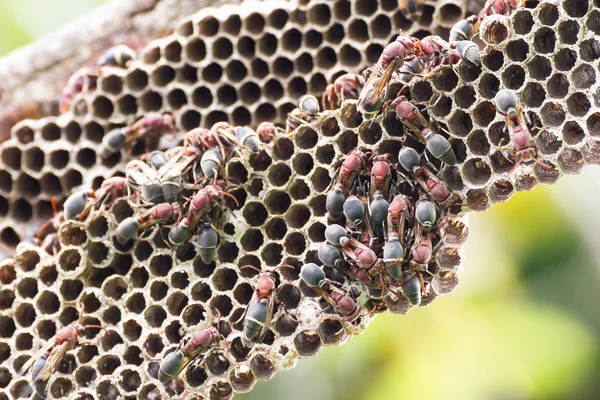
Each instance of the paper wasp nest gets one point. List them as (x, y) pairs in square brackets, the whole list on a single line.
[(241, 63), (221, 65)]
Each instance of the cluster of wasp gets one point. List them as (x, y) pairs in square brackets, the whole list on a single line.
[(394, 212), (386, 211)]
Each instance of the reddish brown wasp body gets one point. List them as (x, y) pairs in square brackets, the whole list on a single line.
[(47, 360), (374, 92), (524, 148), (398, 213), (351, 167), (258, 314), (381, 174), (347, 86)]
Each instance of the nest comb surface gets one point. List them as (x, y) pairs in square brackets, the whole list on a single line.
[(244, 64), (146, 293)]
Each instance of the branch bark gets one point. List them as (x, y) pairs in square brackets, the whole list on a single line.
[(32, 78)]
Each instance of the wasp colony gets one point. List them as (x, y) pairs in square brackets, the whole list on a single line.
[(261, 184)]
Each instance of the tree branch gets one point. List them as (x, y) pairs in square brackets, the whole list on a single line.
[(33, 77)]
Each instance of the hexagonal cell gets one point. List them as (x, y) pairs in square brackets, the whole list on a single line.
[(578, 104), (573, 133), (568, 32), (544, 41), (593, 124), (558, 86), (546, 175), (501, 190), (552, 114), (460, 124), (565, 59), (548, 143), (484, 113), (494, 30), (576, 8), (589, 50), (570, 161), (583, 77)]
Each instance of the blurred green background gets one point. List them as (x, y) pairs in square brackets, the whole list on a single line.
[(523, 324)]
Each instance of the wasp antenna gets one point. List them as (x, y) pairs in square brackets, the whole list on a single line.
[(95, 327), (53, 201), (283, 266), (250, 267), (515, 167), (351, 333), (231, 197), (276, 142), (547, 166)]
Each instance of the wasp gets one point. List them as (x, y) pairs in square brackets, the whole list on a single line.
[(375, 91), (258, 314), (85, 79), (203, 201), (306, 112), (435, 187), (153, 125), (524, 149), (338, 300), (190, 348), (347, 86), (47, 360), (160, 213), (424, 131)]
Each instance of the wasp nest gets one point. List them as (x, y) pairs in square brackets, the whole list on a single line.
[(148, 294), (243, 64)]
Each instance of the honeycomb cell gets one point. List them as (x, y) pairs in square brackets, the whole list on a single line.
[(158, 290), (568, 31), (484, 113), (33, 159), (11, 157), (445, 80), (578, 104), (558, 86), (460, 124), (546, 175), (5, 182), (370, 133), (583, 77), (533, 95), (565, 59), (572, 133), (465, 95), (272, 254), (544, 41), (494, 31), (548, 14), (494, 60), (548, 143), (195, 51), (576, 8)]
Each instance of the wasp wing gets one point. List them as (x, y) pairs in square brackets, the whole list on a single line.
[(56, 354), (265, 328)]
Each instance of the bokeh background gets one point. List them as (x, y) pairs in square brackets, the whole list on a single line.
[(523, 324)]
